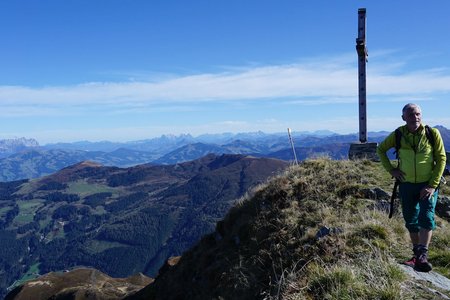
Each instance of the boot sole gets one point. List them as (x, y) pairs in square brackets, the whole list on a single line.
[(423, 269)]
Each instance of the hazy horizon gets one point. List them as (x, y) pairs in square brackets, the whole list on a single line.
[(323, 133)]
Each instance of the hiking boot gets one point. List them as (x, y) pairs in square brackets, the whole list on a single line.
[(411, 262), (422, 264)]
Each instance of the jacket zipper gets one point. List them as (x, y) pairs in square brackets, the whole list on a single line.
[(415, 162)]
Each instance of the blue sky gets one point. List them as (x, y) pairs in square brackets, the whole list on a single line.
[(129, 70)]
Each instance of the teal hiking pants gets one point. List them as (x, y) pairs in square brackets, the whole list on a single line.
[(417, 213)]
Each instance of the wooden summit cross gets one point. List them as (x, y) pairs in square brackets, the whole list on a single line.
[(362, 149)]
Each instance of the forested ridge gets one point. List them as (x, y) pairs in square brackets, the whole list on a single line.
[(119, 221)]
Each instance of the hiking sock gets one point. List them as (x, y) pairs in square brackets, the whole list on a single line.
[(421, 249)]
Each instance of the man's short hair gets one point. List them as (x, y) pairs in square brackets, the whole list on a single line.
[(410, 106)]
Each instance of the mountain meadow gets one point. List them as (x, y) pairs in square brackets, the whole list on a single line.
[(319, 230)]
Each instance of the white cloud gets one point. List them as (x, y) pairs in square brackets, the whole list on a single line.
[(260, 82), (323, 100), (423, 83), (316, 82)]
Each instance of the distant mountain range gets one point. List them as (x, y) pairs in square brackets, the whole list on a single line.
[(118, 220), (11, 146), (26, 159)]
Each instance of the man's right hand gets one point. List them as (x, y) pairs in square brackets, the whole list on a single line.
[(397, 174)]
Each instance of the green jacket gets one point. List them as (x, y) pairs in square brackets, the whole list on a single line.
[(418, 160)]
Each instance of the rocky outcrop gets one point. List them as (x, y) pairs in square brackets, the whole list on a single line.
[(443, 207), (363, 150), (171, 262), (425, 279), (83, 283)]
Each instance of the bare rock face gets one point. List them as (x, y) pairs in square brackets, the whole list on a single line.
[(80, 284)]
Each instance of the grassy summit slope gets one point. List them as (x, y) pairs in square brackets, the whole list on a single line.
[(319, 231)]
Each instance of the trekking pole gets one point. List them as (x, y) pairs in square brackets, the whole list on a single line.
[(292, 146), (393, 196)]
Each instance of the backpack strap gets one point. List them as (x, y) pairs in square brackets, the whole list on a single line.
[(429, 135)]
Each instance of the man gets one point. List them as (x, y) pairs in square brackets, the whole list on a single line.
[(420, 168)]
